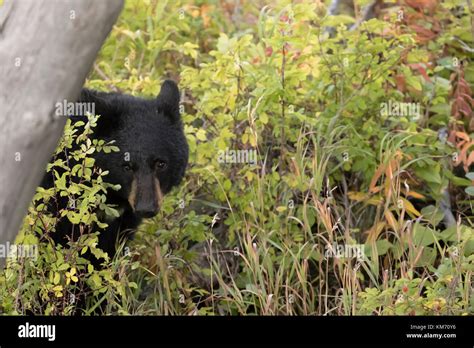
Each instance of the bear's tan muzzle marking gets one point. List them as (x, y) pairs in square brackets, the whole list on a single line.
[(158, 193), (132, 197)]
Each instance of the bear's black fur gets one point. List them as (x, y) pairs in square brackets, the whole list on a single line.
[(152, 159)]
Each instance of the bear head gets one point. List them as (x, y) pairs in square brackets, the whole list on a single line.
[(153, 148)]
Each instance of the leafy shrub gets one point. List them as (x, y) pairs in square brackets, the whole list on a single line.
[(56, 279)]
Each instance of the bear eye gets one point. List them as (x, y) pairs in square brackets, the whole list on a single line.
[(160, 165), (127, 167)]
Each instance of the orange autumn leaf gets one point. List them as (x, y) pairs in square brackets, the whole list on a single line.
[(400, 81), (374, 232), (415, 195), (463, 136), (391, 219), (378, 173), (205, 10), (428, 5)]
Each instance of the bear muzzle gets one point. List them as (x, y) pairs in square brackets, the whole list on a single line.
[(145, 196)]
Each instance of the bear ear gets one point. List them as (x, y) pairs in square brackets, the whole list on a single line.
[(168, 100), (106, 105)]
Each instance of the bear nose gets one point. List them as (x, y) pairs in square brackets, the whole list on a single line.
[(146, 209), (146, 213)]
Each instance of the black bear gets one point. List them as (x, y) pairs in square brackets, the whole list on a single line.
[(152, 159)]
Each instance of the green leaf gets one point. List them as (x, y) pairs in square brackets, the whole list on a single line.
[(423, 236), (201, 135), (382, 246), (432, 214), (429, 174), (89, 162), (73, 217), (428, 257), (414, 81), (469, 190), (56, 278)]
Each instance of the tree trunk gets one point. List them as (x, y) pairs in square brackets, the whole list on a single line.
[(47, 48)]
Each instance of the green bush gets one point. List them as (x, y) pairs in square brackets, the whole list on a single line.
[(56, 279)]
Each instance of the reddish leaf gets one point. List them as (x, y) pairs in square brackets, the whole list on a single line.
[(421, 70)]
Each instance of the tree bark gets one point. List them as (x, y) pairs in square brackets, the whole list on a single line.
[(47, 48)]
